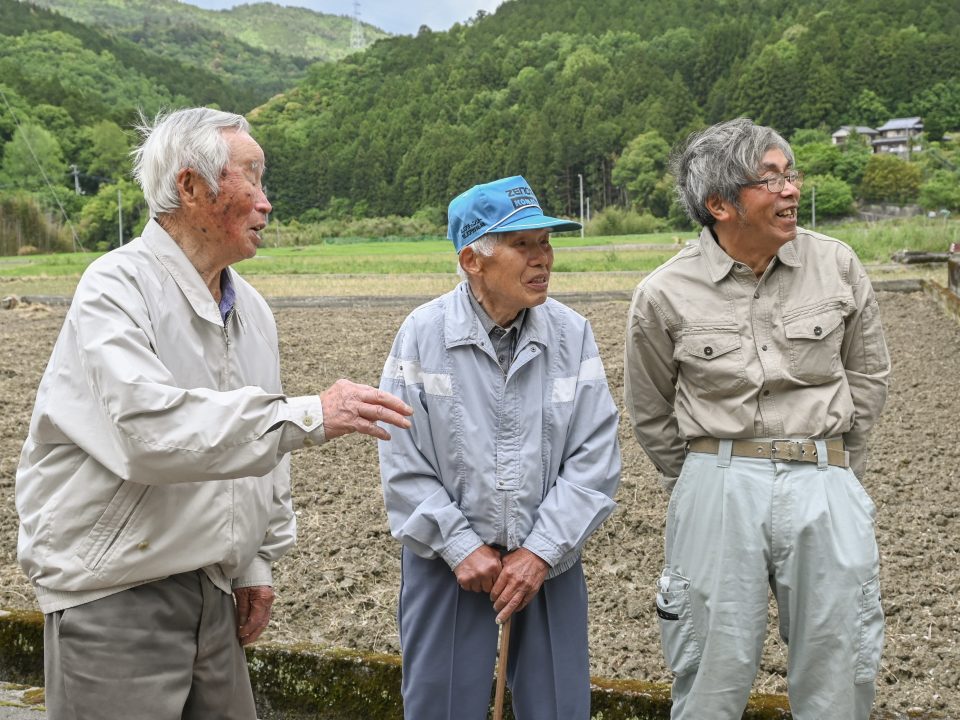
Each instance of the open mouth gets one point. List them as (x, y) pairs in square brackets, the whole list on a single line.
[(539, 281), (788, 214)]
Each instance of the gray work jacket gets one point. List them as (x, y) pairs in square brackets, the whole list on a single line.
[(528, 459)]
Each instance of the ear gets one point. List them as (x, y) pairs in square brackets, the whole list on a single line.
[(189, 187), (470, 261), (720, 208)]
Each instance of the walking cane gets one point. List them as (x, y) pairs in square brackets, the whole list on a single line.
[(502, 669)]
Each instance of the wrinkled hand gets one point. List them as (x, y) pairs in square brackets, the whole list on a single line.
[(520, 580), (253, 611), (349, 407), (479, 570)]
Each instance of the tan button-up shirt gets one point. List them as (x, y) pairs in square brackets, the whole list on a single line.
[(712, 351)]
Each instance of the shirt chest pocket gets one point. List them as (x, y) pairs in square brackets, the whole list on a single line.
[(814, 338), (712, 360)]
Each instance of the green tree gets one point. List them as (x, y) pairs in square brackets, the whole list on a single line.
[(640, 169), (100, 222), (941, 191), (106, 155), (31, 158), (834, 198), (887, 178), (867, 109)]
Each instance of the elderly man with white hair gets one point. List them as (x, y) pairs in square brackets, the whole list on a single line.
[(154, 483), (511, 463)]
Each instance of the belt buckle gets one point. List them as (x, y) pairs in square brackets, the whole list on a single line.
[(786, 450)]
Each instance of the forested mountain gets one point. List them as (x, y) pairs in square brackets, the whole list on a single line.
[(557, 88), (262, 48)]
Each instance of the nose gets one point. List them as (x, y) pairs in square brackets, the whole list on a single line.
[(261, 203)]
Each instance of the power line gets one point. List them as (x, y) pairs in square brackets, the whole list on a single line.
[(357, 39), (16, 120)]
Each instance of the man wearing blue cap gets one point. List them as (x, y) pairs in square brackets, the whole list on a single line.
[(510, 464)]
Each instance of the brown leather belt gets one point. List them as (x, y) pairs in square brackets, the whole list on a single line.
[(786, 450)]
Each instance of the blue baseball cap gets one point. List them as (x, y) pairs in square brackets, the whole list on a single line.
[(500, 206)]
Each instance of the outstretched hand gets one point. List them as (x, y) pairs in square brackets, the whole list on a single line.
[(349, 407), (519, 581)]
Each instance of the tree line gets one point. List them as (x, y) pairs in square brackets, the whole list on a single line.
[(556, 90)]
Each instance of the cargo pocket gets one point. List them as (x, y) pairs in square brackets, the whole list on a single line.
[(712, 360), (871, 632), (681, 651)]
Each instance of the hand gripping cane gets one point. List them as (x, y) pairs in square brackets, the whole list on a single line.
[(502, 655)]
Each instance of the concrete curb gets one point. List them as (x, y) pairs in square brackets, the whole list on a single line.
[(305, 681)]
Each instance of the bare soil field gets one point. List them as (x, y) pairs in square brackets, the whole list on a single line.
[(339, 586)]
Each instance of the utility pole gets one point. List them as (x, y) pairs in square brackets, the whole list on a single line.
[(581, 204), (120, 213), (76, 179), (357, 40), (813, 208)]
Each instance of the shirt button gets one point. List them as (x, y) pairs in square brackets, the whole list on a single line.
[(708, 351), (308, 420), (500, 359), (818, 331), (763, 347), (756, 295), (143, 545), (766, 392)]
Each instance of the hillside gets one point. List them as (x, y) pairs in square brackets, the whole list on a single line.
[(292, 31), (557, 89)]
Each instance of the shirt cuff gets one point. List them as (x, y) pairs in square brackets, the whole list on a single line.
[(458, 550), (542, 548), (257, 573), (302, 419)]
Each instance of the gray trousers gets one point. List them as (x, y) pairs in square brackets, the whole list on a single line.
[(739, 527), (167, 650), (449, 641)]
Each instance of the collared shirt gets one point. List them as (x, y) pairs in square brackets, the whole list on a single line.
[(504, 339), (713, 351)]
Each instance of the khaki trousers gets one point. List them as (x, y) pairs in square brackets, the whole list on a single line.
[(738, 528), (167, 650)]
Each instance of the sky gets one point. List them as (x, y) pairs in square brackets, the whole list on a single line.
[(400, 18)]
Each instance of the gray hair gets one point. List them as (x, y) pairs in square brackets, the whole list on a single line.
[(483, 245), (192, 138), (718, 161)]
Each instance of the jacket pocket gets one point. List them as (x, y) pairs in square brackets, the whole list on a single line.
[(871, 632), (111, 525), (681, 649), (814, 337), (712, 359)]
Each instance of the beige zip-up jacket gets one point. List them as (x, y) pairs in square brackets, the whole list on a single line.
[(159, 441), (713, 351)]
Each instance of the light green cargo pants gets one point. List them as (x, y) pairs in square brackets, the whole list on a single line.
[(738, 526)]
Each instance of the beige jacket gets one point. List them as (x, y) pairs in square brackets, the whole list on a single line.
[(159, 439), (712, 351)]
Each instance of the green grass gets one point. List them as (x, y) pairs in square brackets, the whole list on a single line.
[(421, 266)]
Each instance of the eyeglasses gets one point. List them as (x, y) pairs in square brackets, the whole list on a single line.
[(775, 183)]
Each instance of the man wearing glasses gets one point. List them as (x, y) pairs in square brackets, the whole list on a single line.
[(755, 368)]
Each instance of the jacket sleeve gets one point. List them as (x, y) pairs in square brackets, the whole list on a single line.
[(148, 429), (589, 474), (281, 532), (421, 513), (866, 363), (649, 387)]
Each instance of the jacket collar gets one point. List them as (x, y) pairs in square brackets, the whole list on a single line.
[(461, 326), (184, 274), (719, 263)]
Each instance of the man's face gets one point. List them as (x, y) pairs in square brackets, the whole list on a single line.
[(770, 218), (231, 222), (516, 275)]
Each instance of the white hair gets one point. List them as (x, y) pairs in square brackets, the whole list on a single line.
[(189, 138), (483, 245)]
